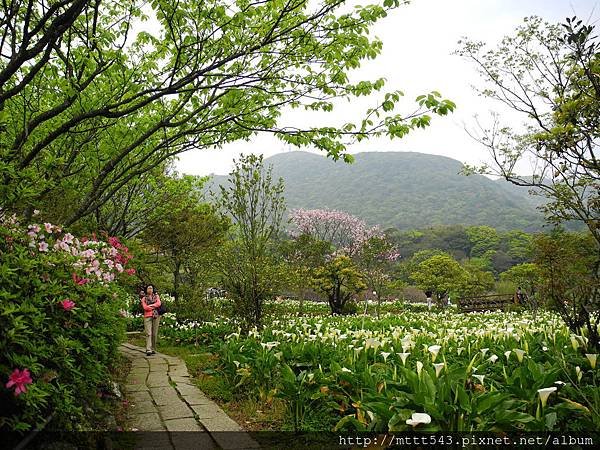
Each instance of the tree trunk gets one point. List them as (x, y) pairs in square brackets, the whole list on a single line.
[(176, 277)]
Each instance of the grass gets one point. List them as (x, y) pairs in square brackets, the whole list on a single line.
[(203, 366), (117, 407)]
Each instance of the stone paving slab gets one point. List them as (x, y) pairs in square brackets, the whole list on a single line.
[(180, 380), (220, 422), (139, 381), (164, 395), (135, 387), (234, 441), (155, 405), (140, 396), (186, 441), (197, 399), (186, 424), (175, 411), (147, 422), (153, 441), (202, 412), (141, 407), (158, 379), (178, 371), (188, 389)]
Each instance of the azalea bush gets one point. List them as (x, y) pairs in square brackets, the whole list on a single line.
[(61, 325)]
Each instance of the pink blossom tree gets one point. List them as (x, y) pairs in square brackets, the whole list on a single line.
[(375, 260), (371, 252), (347, 233)]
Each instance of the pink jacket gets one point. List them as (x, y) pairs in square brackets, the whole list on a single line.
[(149, 308)]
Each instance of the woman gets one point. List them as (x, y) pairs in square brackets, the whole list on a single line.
[(150, 304)]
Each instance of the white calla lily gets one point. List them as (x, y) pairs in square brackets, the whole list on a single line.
[(520, 354), (419, 418), (438, 368), (434, 350), (545, 393), (403, 357), (592, 357)]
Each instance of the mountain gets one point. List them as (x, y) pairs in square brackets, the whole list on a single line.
[(404, 190)]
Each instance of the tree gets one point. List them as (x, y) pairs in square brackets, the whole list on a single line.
[(517, 244), (251, 271), (303, 255), (549, 74), (568, 280), (143, 201), (405, 269), (525, 275), (375, 260), (339, 280), (184, 234), (483, 239), (475, 280), (347, 233), (87, 105), (440, 274)]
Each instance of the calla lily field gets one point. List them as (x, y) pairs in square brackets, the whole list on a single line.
[(411, 369)]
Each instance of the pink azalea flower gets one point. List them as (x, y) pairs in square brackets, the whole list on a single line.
[(43, 247), (68, 238), (79, 281), (130, 271), (19, 379), (106, 276), (48, 227), (114, 241), (67, 304)]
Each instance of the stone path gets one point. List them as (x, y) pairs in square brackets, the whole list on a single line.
[(163, 398)]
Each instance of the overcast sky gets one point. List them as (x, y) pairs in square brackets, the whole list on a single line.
[(418, 41)]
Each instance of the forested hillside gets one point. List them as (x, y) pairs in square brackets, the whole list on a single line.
[(404, 190)]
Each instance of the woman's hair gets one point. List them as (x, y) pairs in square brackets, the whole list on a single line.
[(153, 289)]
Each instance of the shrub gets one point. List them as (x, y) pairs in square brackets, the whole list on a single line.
[(413, 294), (60, 324)]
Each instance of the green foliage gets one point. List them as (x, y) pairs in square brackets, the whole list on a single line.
[(186, 236), (80, 121), (547, 73), (376, 259), (482, 239), (526, 275), (302, 255), (251, 272), (568, 265), (339, 279), (401, 189), (485, 375), (68, 352), (476, 281), (439, 273)]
